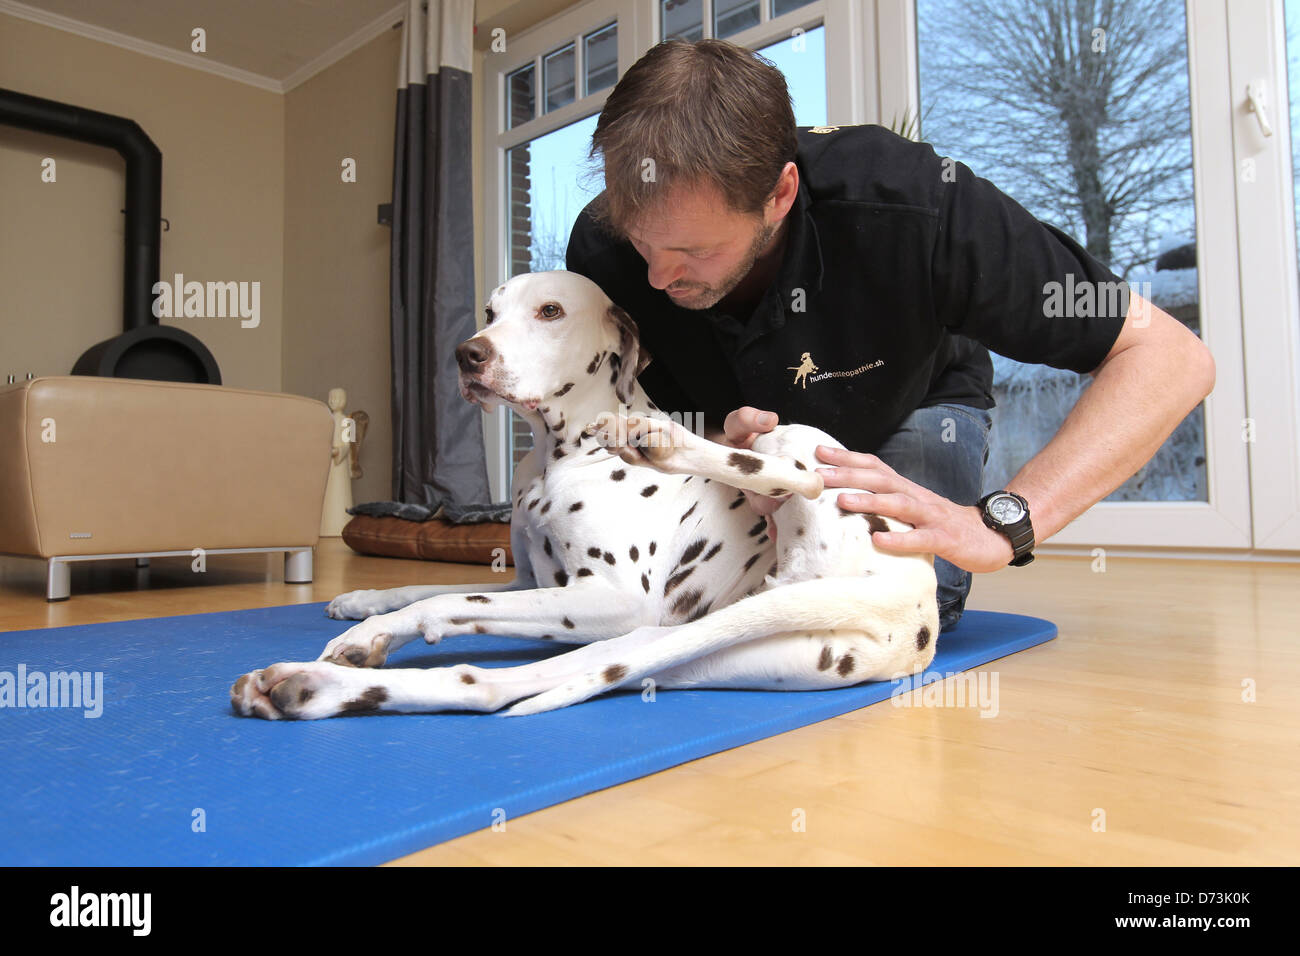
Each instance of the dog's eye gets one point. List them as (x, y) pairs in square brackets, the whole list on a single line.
[(551, 311), (490, 314)]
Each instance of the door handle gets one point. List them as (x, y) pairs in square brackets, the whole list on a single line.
[(1255, 103)]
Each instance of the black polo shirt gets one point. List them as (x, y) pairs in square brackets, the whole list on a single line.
[(900, 268)]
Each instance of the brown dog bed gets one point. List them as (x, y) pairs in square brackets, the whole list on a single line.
[(432, 540)]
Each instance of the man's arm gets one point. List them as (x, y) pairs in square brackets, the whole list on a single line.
[(1153, 377)]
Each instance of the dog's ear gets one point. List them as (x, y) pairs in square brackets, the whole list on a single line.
[(633, 358)]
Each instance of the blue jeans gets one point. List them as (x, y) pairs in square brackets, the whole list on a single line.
[(952, 468)]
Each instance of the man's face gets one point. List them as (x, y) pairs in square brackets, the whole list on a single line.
[(697, 248)]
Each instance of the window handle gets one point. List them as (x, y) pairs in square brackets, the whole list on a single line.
[(1255, 103)]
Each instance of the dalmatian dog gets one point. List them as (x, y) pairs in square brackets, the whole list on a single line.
[(633, 539)]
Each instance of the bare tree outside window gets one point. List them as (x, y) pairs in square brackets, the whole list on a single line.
[(1079, 110)]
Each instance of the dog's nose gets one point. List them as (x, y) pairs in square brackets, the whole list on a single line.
[(473, 354)]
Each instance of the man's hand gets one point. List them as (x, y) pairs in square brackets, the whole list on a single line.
[(944, 528), (740, 429)]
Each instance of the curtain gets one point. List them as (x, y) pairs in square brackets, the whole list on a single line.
[(438, 453)]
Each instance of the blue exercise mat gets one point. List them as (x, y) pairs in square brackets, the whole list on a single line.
[(167, 774)]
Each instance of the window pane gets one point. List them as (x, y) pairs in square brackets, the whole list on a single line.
[(559, 78), (785, 6), (519, 96), (1109, 164), (802, 58), (732, 16), (600, 58), (682, 18), (547, 184)]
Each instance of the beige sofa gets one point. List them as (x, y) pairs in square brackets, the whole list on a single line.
[(95, 468)]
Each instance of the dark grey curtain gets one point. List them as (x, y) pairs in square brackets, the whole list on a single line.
[(438, 453)]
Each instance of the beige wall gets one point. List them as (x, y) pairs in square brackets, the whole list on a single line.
[(252, 188), (336, 332), (61, 243)]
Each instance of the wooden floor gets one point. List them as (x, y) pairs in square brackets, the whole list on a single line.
[(1160, 727)]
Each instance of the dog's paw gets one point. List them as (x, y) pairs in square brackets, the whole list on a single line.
[(359, 605), (305, 691), (365, 645), (639, 439)]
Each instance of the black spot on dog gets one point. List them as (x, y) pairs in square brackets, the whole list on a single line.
[(633, 553), (762, 540), (687, 601), (459, 620), (591, 369), (752, 558), (688, 512), (618, 475), (305, 695), (479, 598), (545, 508), (922, 638), (614, 673), (480, 629), (559, 452), (692, 552), (677, 579), (745, 464), (846, 666), (777, 492), (567, 386), (595, 450), (569, 624), (561, 578), (847, 514), (370, 700), (593, 552), (700, 611), (584, 572), (712, 551), (609, 558), (758, 528), (645, 583), (798, 532), (575, 507), (801, 466), (876, 523), (548, 637), (546, 546), (652, 547), (467, 678), (649, 490), (740, 500), (824, 661), (533, 504)]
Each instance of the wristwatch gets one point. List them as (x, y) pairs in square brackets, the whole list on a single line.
[(1008, 513)]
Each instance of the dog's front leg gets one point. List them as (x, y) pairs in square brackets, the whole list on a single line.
[(577, 614)]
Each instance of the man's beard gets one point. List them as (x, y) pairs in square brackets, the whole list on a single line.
[(706, 297)]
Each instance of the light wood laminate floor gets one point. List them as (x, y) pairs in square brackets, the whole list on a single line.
[(1131, 739)]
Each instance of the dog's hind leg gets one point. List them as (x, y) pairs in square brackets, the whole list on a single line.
[(833, 632)]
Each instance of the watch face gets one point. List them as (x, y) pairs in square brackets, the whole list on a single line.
[(1005, 509)]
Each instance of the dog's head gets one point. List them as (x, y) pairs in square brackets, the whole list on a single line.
[(548, 333)]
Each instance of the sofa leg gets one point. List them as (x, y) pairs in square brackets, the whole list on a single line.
[(142, 562), (297, 567), (58, 580)]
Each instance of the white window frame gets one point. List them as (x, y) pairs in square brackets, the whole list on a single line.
[(1222, 526)]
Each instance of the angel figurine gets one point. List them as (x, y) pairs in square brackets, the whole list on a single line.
[(344, 463)]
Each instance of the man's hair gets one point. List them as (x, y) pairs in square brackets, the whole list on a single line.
[(691, 114)]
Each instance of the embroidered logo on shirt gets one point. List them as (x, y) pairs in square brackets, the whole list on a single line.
[(806, 366), (823, 129), (803, 368)]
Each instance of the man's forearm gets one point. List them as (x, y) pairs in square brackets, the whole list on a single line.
[(1133, 405)]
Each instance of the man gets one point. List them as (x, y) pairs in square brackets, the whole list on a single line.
[(850, 279)]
